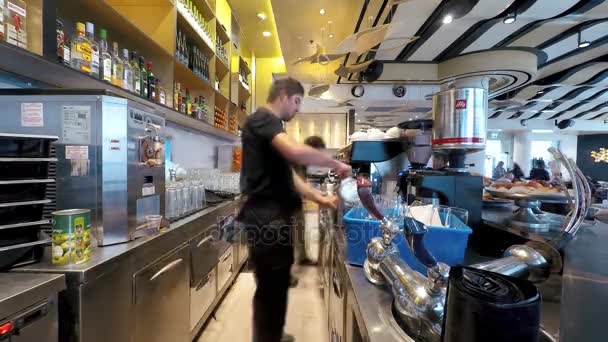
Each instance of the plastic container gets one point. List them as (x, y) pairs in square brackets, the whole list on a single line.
[(446, 244), (153, 223)]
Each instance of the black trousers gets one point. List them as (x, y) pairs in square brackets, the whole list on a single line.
[(270, 304), (269, 235)]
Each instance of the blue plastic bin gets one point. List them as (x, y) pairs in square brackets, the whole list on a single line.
[(446, 244)]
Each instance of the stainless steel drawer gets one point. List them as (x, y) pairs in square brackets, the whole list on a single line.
[(161, 293), (202, 297), (224, 269), (203, 255)]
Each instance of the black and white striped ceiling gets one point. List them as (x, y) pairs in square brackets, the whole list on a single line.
[(572, 80)]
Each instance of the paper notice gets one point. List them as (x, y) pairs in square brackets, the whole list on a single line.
[(77, 152), (32, 115), (76, 125)]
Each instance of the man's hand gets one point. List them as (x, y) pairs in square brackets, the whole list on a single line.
[(330, 201), (343, 170)]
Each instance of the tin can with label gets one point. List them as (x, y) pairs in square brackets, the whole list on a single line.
[(71, 236)]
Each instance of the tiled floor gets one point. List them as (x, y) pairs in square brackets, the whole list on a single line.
[(306, 316)]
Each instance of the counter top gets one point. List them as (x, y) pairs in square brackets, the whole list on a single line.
[(101, 256), (18, 291), (373, 304)]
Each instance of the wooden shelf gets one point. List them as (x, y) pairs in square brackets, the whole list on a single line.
[(221, 68), (221, 33), (184, 74), (221, 100), (61, 76), (185, 20), (204, 7), (243, 65)]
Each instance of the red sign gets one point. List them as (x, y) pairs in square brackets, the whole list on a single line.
[(461, 104)]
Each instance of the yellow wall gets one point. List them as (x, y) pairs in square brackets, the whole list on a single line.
[(264, 68)]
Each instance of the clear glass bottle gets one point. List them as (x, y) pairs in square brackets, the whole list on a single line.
[(162, 95), (136, 73), (144, 77), (60, 34), (94, 50), (67, 56), (117, 67), (105, 57), (81, 53), (127, 73)]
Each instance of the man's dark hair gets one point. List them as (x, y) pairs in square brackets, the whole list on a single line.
[(289, 85), (315, 142)]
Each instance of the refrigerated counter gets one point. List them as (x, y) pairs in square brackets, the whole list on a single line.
[(159, 288)]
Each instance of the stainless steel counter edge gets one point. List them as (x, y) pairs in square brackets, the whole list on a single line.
[(105, 259), (373, 304), (18, 291)]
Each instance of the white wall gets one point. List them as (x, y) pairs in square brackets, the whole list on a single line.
[(193, 149), (522, 144)]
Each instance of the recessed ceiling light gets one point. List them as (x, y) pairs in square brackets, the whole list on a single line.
[(322, 11), (510, 18), (299, 58), (542, 131), (582, 43), (540, 92), (266, 34), (448, 19), (331, 36), (262, 16)]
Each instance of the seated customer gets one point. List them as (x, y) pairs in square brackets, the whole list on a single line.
[(539, 172)]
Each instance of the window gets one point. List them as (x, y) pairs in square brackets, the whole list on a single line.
[(493, 156), (539, 150)]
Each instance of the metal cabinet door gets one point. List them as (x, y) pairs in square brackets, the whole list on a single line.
[(224, 269), (202, 297), (204, 255), (161, 294)]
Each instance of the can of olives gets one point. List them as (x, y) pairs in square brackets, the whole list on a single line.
[(71, 236)]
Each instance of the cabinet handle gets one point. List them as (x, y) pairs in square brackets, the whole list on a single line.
[(166, 269), (204, 240), (226, 257), (337, 286)]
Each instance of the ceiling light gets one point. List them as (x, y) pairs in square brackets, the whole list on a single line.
[(299, 58), (510, 18), (542, 131), (582, 43), (331, 36), (266, 34), (494, 129), (448, 19), (540, 92), (262, 16), (322, 11)]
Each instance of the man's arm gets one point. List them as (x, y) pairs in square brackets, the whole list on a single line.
[(305, 155), (312, 194)]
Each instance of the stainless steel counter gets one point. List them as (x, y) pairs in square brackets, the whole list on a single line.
[(105, 259), (18, 291)]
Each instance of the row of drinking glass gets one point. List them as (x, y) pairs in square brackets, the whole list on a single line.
[(183, 198), (215, 180)]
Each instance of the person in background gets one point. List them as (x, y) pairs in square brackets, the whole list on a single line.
[(556, 174), (539, 172), (317, 143), (516, 175), (272, 195), (499, 171)]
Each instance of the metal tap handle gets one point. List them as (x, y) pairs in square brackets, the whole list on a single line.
[(414, 234), (364, 190)]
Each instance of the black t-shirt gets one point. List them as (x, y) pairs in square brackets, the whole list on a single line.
[(266, 176)]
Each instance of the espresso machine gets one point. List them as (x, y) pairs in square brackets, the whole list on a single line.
[(458, 129), (109, 151)]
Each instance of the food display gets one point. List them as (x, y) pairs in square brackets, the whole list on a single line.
[(71, 236), (531, 187)]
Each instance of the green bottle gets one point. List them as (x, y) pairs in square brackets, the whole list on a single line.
[(143, 78)]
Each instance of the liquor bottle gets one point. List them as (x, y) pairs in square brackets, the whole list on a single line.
[(136, 71), (178, 41), (151, 80), (67, 56), (176, 96), (188, 102), (81, 53), (60, 34), (182, 105), (106, 58), (162, 95), (127, 73), (94, 50), (117, 67), (144, 77)]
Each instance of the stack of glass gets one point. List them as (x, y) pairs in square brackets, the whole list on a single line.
[(184, 197)]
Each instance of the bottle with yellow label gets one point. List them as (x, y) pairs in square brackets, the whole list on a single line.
[(81, 51)]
